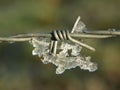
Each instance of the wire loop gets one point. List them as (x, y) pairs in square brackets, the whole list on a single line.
[(60, 35)]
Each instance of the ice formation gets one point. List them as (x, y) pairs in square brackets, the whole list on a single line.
[(67, 57), (68, 54)]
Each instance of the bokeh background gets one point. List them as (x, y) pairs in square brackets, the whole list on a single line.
[(19, 70)]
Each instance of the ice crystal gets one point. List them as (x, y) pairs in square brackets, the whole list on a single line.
[(80, 27), (68, 56)]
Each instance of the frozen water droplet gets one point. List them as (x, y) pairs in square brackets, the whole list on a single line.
[(92, 67), (60, 70), (34, 52)]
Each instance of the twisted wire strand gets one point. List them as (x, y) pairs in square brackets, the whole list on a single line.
[(12, 39), (85, 35), (111, 32)]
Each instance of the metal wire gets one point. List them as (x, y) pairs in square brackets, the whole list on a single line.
[(61, 35)]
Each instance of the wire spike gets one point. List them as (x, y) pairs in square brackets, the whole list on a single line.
[(75, 25)]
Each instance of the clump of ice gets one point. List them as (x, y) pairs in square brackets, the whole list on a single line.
[(40, 46), (68, 57)]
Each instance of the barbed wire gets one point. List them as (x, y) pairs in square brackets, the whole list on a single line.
[(66, 55), (86, 35), (79, 31)]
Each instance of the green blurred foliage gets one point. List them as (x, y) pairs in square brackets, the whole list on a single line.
[(19, 70)]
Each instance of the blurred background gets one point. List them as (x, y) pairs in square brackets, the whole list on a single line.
[(19, 70)]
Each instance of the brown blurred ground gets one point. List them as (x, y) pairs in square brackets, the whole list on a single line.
[(19, 70)]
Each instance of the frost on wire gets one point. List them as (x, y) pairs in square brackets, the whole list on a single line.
[(68, 54)]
